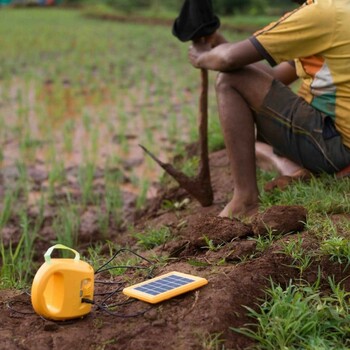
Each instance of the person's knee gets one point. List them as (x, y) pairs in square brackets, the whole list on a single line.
[(223, 82), (251, 84), (231, 80)]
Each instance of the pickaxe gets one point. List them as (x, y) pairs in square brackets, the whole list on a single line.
[(196, 21)]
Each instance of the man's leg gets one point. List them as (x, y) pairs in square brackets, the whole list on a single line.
[(267, 159), (238, 93)]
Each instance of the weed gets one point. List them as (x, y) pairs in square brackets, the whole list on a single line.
[(174, 205), (338, 248), (197, 263), (190, 166), (209, 244), (213, 341), (263, 242), (301, 258), (319, 195), (153, 237), (299, 317), (332, 244)]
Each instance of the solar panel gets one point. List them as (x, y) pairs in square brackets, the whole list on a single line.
[(164, 287)]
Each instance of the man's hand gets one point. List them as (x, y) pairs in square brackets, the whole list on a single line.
[(225, 57), (196, 50), (203, 45)]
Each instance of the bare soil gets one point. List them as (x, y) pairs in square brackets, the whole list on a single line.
[(202, 244)]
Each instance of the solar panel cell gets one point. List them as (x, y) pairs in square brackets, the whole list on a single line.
[(164, 287)]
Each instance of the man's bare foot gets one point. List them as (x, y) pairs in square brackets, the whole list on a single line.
[(281, 182), (267, 160), (232, 210)]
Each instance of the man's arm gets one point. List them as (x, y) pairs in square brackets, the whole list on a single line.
[(284, 72), (219, 55), (224, 57)]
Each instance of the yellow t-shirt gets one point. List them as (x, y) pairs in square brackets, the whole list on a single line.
[(317, 36)]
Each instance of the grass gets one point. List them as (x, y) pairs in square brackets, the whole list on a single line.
[(312, 195), (301, 317), (301, 257), (152, 237), (338, 249)]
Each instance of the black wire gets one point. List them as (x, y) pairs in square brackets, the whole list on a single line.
[(101, 268), (108, 282), (11, 303), (122, 267), (116, 314), (102, 305)]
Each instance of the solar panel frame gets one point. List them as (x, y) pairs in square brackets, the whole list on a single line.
[(164, 287)]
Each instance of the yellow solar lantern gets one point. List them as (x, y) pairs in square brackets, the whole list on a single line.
[(60, 285)]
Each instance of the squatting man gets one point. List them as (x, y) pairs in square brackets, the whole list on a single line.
[(262, 119)]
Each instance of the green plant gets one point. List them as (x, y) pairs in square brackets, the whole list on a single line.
[(263, 242), (213, 341), (17, 262), (332, 243), (338, 248), (301, 258), (209, 244), (153, 237), (142, 197), (86, 174), (7, 207), (322, 195), (300, 317), (66, 226), (56, 176), (190, 166), (174, 205), (68, 131)]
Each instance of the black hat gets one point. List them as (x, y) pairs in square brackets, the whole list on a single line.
[(196, 20)]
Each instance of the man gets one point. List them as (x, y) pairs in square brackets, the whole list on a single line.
[(310, 130)]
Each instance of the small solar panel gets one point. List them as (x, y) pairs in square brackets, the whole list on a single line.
[(164, 287)]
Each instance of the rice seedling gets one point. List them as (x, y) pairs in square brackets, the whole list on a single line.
[(66, 227), (56, 177), (17, 259), (143, 191), (86, 174), (7, 207), (68, 133)]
